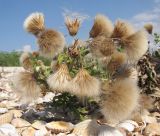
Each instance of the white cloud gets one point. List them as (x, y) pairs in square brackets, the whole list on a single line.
[(27, 48), (75, 14), (157, 1), (145, 17), (151, 16)]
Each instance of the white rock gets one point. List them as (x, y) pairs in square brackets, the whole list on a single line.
[(128, 125), (16, 113), (38, 124), (3, 110), (11, 104), (149, 119), (29, 132), (48, 97), (71, 135), (59, 126), (105, 130), (6, 118), (3, 96), (11, 69), (42, 132), (8, 130), (61, 134), (18, 122)]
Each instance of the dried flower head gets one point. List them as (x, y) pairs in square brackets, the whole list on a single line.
[(102, 46), (136, 45), (26, 86), (122, 29), (54, 65), (85, 85), (50, 43), (118, 59), (102, 26), (72, 25), (127, 72), (73, 50), (119, 100), (34, 23), (25, 61), (35, 54), (149, 28), (59, 80)]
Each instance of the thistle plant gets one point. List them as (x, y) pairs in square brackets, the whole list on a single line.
[(100, 68)]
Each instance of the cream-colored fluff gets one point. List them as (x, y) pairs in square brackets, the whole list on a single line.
[(25, 61), (72, 25), (136, 45), (102, 47), (34, 23), (122, 29), (59, 80), (149, 28), (84, 84), (50, 43), (127, 72), (102, 26), (119, 100), (26, 86), (118, 59), (24, 56)]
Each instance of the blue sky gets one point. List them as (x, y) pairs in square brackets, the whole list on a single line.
[(14, 12)]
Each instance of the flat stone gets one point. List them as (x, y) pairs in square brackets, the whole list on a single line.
[(16, 113), (86, 128), (20, 130), (38, 124), (18, 123), (3, 110), (42, 132), (128, 125), (8, 130), (2, 105), (11, 69), (6, 118), (30, 131), (153, 129), (59, 126)]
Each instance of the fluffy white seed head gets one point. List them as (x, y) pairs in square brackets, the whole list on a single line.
[(102, 26), (102, 47), (34, 23), (149, 28), (50, 42), (25, 61), (122, 29), (136, 45), (26, 86), (59, 80), (120, 100), (85, 85), (24, 56)]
